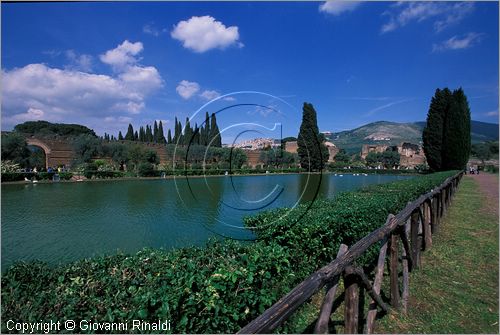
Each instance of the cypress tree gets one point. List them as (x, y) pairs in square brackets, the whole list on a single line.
[(188, 132), (214, 137), (155, 132), (161, 136), (120, 136), (313, 153), (169, 137), (136, 136), (176, 131), (149, 134), (446, 136), (130, 133), (142, 134), (456, 133), (432, 135), (196, 134)]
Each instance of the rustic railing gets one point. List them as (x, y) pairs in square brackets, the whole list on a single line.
[(413, 226)]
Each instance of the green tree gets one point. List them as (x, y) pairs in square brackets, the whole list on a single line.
[(142, 134), (155, 132), (161, 136), (15, 149), (169, 137), (446, 136), (313, 153), (456, 133), (188, 133), (120, 136), (342, 156), (86, 148), (129, 136), (372, 159), (214, 137), (149, 134)]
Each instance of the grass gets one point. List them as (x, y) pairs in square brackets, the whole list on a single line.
[(456, 290)]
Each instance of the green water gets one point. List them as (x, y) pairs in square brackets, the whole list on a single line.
[(61, 222)]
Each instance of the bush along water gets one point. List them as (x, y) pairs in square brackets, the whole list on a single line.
[(216, 289)]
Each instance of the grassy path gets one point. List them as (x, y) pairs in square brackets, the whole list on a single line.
[(456, 290)]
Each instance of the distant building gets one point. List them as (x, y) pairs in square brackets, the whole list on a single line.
[(332, 151), (411, 154), (291, 147)]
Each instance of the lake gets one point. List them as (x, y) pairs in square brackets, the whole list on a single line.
[(62, 222)]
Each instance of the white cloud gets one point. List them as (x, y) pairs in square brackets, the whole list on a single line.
[(377, 109), (338, 7), (186, 89), (210, 95), (124, 54), (69, 95), (203, 33), (445, 13), (229, 99), (79, 62), (456, 42), (492, 113), (150, 29)]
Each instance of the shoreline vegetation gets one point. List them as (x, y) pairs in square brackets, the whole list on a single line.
[(74, 178), (218, 288)]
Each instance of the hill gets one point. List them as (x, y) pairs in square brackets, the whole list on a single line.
[(393, 133)]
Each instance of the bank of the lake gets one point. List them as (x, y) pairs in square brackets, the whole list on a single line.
[(215, 289), (66, 221)]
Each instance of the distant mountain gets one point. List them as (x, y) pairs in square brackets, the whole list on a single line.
[(393, 133)]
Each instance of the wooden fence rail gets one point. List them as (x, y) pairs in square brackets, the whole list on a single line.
[(413, 226)]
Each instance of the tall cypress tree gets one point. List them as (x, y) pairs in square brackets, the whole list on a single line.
[(120, 136), (196, 134), (432, 135), (205, 136), (142, 134), (149, 134), (136, 136), (313, 154), (446, 136), (130, 133), (214, 137), (176, 131), (456, 133), (169, 137), (155, 132), (188, 132), (161, 137)]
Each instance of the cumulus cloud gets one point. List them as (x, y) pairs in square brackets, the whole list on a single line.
[(209, 95), (38, 91), (444, 13), (186, 89), (79, 62), (124, 54), (203, 33), (456, 42), (338, 7)]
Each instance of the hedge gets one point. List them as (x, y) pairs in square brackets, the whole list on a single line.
[(19, 176), (216, 289)]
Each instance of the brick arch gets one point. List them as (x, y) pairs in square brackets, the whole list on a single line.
[(56, 152)]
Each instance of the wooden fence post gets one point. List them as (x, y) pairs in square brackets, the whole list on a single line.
[(427, 224), (326, 308), (415, 245), (351, 303), (377, 283), (406, 275), (394, 271)]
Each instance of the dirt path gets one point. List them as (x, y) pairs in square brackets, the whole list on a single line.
[(488, 184)]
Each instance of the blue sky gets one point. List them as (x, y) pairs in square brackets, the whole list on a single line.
[(107, 64)]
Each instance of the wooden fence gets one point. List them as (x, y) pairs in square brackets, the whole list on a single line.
[(413, 227)]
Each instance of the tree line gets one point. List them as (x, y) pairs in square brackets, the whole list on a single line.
[(206, 134)]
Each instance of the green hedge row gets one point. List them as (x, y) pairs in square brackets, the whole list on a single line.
[(216, 289), (19, 176)]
